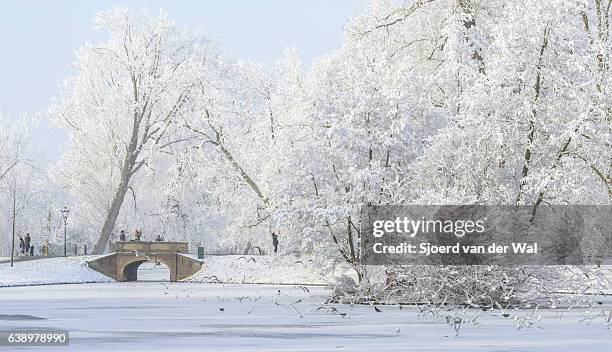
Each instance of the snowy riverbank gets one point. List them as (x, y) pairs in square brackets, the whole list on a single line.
[(283, 270), (269, 269), (49, 271)]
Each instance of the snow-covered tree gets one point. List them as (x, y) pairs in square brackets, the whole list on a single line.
[(25, 190), (14, 143), (121, 107), (366, 111), (526, 121), (536, 126)]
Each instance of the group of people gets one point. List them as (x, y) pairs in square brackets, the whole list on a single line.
[(137, 236), (25, 245)]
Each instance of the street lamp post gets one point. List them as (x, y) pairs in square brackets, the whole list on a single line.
[(14, 215), (65, 212)]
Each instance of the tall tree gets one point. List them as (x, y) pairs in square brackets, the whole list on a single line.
[(121, 105)]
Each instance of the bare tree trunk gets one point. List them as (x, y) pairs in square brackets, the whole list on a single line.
[(243, 174), (128, 169), (5, 172), (531, 134), (111, 218)]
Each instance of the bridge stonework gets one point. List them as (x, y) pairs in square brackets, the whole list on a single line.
[(122, 265)]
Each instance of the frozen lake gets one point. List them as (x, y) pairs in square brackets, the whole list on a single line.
[(156, 316)]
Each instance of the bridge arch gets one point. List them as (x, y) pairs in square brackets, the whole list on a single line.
[(130, 271), (127, 266)]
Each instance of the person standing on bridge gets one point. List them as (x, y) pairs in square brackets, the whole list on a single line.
[(137, 235), (122, 236)]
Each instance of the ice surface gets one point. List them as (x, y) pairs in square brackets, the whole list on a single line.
[(153, 272), (153, 316), (163, 316)]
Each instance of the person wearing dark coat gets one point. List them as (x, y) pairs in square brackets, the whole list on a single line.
[(275, 242), (21, 245), (122, 236), (27, 243)]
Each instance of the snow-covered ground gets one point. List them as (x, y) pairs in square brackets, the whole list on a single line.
[(153, 316), (269, 269), (216, 269), (275, 270), (50, 271)]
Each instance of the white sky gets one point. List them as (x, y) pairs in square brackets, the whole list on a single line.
[(37, 40)]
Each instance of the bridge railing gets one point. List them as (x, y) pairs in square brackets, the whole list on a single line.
[(150, 247)]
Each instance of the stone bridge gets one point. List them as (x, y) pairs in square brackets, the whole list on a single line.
[(122, 265)]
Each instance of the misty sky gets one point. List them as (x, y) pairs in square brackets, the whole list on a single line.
[(37, 40)]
